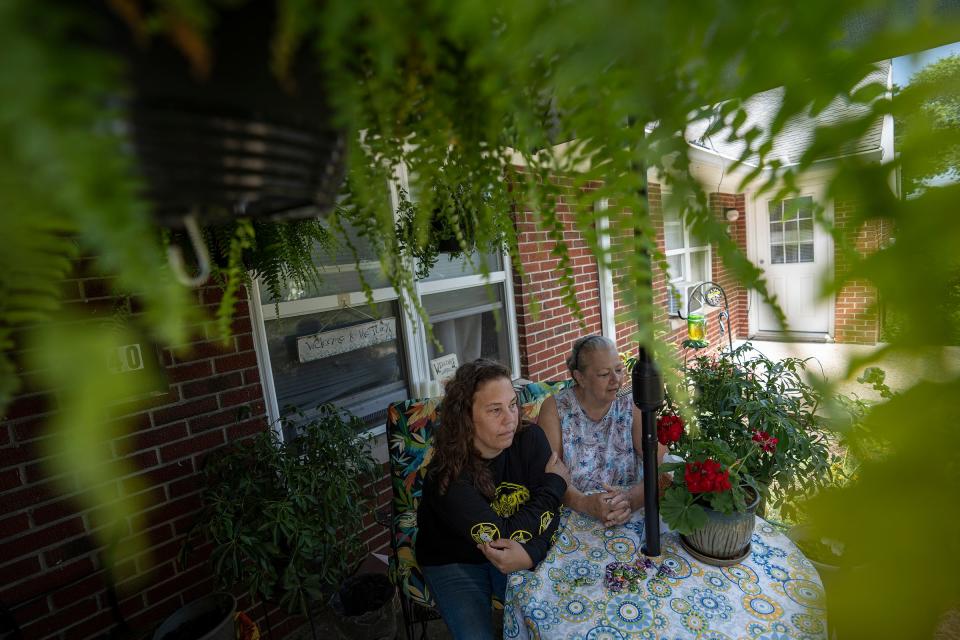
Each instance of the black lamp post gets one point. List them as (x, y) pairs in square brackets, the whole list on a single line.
[(648, 396)]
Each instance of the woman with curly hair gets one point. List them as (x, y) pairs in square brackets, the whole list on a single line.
[(490, 498)]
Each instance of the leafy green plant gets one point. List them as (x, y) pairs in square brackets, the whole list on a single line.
[(284, 518), (482, 86), (760, 419)]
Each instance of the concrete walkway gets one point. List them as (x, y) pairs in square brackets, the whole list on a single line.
[(835, 361)]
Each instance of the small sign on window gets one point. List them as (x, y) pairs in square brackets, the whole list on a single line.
[(444, 367), (337, 341)]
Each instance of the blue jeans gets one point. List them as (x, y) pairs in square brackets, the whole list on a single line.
[(462, 593)]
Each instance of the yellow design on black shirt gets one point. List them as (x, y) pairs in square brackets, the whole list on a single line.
[(521, 536), (485, 532), (508, 498), (545, 519)]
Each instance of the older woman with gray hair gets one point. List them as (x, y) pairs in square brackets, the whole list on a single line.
[(597, 434)]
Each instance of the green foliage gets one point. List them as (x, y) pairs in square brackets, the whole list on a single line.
[(285, 518), (282, 255), (738, 395), (928, 107), (459, 93), (67, 186)]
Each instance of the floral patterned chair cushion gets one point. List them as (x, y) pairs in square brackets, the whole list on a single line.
[(532, 395), (410, 428)]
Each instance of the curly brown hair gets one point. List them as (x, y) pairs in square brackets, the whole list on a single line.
[(453, 449)]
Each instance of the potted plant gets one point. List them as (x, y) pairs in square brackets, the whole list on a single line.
[(451, 227), (755, 436), (284, 517)]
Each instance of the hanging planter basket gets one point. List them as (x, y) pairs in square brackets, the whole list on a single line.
[(237, 142)]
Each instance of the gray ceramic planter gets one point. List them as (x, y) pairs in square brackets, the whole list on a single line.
[(725, 539)]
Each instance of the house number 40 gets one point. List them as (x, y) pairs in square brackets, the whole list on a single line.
[(126, 358)]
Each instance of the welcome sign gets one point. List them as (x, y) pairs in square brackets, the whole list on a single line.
[(331, 343)]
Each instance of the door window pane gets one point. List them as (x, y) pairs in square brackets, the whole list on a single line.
[(776, 254), (363, 380), (806, 252), (790, 253), (465, 323), (776, 232), (791, 231)]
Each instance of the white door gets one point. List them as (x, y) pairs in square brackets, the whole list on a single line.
[(793, 252)]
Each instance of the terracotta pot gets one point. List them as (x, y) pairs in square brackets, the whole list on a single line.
[(725, 539)]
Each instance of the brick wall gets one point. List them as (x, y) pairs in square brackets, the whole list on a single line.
[(545, 340), (856, 317), (48, 560), (736, 293)]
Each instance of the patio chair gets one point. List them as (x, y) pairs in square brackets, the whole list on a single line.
[(410, 428)]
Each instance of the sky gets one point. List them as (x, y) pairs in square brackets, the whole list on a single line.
[(905, 66)]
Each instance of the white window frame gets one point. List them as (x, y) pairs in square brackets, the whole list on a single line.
[(608, 321), (412, 327), (678, 283)]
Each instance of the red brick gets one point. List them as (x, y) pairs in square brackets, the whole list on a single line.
[(72, 592), (18, 570), (134, 503), (57, 620), (212, 385), (245, 429), (172, 510), (10, 479), (27, 585), (244, 342), (201, 588), (54, 511), (150, 438), (158, 475), (28, 496), (243, 360), (183, 448), (185, 410), (94, 626), (201, 351), (213, 420), (184, 486), (192, 371), (25, 406), (241, 396), (251, 376)]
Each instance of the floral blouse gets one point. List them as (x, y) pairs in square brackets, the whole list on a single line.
[(598, 452)]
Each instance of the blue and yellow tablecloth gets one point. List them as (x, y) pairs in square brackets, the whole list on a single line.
[(773, 595)]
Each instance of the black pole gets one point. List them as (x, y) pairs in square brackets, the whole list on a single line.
[(648, 396)]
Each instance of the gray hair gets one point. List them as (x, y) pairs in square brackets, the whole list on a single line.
[(588, 344)]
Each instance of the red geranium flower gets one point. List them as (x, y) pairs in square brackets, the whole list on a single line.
[(767, 442), (669, 428), (706, 476)]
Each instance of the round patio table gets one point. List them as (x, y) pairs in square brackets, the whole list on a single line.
[(774, 594)]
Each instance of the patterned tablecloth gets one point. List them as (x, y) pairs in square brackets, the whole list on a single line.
[(773, 595)]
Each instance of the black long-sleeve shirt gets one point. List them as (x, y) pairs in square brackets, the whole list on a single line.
[(525, 506)]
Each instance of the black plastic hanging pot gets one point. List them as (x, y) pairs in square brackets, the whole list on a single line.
[(236, 142)]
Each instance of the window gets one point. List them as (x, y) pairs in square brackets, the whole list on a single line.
[(688, 261), (791, 231), (304, 364)]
